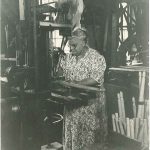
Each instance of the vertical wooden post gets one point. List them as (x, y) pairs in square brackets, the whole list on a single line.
[(29, 33), (142, 87), (37, 111), (114, 40), (47, 59), (36, 57), (51, 57), (106, 26), (21, 9), (121, 24), (94, 30), (40, 2), (106, 33)]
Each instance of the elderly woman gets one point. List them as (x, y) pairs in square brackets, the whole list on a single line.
[(84, 125)]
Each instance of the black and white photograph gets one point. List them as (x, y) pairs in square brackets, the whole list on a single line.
[(74, 74)]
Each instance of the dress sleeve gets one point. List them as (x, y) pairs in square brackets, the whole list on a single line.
[(61, 65), (97, 68), (62, 62)]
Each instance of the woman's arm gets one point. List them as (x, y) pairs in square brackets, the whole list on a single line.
[(59, 72), (87, 81), (60, 66)]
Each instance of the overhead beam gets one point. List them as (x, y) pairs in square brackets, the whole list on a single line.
[(43, 9), (133, 1)]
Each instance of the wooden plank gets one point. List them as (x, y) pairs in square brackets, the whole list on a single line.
[(106, 33), (36, 57), (66, 99), (133, 1), (131, 69), (53, 25), (114, 38), (21, 9), (43, 9), (79, 86), (9, 59), (121, 7), (3, 79)]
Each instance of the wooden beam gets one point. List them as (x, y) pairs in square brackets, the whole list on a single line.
[(130, 68), (79, 86), (121, 23), (107, 22), (114, 38), (21, 9), (53, 25), (43, 9), (133, 1), (36, 57)]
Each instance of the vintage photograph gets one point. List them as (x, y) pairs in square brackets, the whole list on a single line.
[(74, 74)]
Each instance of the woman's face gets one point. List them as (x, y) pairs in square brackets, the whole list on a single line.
[(76, 46)]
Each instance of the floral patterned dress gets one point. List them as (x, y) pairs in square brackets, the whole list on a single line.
[(85, 125)]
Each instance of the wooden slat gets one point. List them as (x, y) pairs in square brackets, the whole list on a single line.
[(9, 59), (22, 9), (133, 1), (114, 38), (43, 9), (130, 69), (4, 79), (53, 25), (79, 86), (36, 55), (66, 99)]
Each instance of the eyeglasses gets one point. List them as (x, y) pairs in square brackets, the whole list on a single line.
[(72, 46)]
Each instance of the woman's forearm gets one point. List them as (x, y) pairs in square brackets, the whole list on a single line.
[(59, 72), (87, 81)]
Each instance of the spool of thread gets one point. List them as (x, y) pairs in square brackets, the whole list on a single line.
[(17, 57), (140, 79), (119, 106), (122, 105), (137, 122), (21, 10), (142, 88), (128, 127), (116, 121), (146, 110), (113, 123), (131, 128), (134, 107), (145, 138), (27, 58), (121, 127), (6, 34), (140, 113), (141, 131)]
